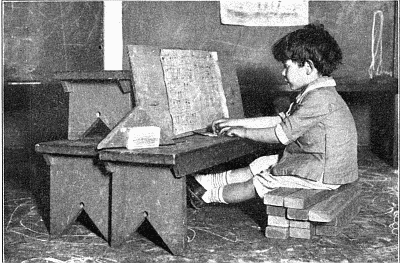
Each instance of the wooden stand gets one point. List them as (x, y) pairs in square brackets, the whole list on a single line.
[(301, 213)]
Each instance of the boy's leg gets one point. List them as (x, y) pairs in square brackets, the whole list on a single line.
[(214, 180), (210, 181), (231, 193), (227, 187), (265, 182), (239, 192)]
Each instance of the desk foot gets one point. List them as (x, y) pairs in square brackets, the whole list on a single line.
[(84, 219), (79, 191), (152, 193), (169, 228)]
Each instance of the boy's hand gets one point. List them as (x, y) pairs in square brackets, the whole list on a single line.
[(233, 132), (219, 124), (228, 127)]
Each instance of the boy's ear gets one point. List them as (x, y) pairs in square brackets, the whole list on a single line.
[(309, 66)]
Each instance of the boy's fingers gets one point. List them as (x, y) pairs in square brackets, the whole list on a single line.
[(224, 130), (216, 124)]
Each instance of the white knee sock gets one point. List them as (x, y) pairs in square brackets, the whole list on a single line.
[(214, 195), (215, 180)]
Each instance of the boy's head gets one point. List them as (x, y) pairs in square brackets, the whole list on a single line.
[(309, 44)]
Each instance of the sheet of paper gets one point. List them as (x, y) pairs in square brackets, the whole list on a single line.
[(194, 88), (264, 13)]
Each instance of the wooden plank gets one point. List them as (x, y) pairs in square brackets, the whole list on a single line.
[(306, 198), (336, 226), (276, 196), (278, 221), (300, 224), (297, 214), (68, 147), (277, 232), (303, 233), (97, 75), (276, 211), (149, 89), (330, 208), (347, 214)]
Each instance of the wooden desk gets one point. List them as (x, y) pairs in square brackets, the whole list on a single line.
[(136, 184)]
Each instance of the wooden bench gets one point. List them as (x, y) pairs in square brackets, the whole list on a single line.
[(118, 188), (302, 213)]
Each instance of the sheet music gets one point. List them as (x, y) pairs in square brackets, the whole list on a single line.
[(194, 88)]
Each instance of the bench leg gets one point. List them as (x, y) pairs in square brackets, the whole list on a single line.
[(151, 192), (76, 184)]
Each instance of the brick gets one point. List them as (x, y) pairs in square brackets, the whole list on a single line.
[(276, 196), (277, 232), (276, 211), (306, 198), (300, 224), (297, 214), (278, 221)]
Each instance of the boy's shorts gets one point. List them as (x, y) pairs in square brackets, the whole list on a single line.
[(265, 182)]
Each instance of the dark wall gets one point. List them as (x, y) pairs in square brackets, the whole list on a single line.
[(43, 37), (40, 38), (196, 25)]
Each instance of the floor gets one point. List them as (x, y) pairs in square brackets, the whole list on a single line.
[(216, 234)]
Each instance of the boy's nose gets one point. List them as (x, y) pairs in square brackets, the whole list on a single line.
[(284, 73)]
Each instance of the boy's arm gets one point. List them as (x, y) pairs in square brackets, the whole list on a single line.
[(258, 122), (261, 122), (266, 135)]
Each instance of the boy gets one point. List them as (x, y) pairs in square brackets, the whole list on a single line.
[(318, 129)]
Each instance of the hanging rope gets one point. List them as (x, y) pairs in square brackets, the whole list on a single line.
[(376, 47)]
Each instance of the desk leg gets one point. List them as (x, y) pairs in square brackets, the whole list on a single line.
[(74, 181), (151, 192)]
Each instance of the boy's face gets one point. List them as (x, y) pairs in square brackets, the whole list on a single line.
[(295, 76)]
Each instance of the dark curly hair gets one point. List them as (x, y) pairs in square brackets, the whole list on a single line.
[(311, 43)]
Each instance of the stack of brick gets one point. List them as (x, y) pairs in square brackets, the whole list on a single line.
[(301, 213)]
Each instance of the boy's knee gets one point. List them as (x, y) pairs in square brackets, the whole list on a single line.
[(234, 193)]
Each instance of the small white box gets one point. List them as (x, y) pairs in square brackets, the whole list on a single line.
[(142, 137)]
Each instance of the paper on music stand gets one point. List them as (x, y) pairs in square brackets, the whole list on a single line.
[(194, 87)]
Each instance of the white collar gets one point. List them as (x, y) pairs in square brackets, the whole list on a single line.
[(318, 83)]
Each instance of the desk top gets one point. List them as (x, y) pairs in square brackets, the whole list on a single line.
[(85, 148), (189, 154)]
